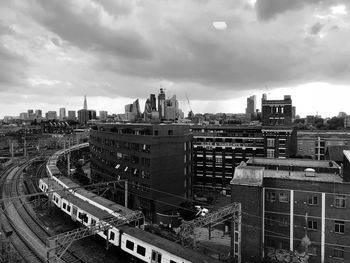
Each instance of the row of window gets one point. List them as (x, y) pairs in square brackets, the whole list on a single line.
[(282, 220), (339, 200), (138, 147)]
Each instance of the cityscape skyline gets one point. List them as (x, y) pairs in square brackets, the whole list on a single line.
[(218, 55)]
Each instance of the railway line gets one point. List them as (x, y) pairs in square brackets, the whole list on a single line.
[(29, 234)]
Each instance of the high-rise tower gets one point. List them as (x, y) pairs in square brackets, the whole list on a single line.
[(85, 103)]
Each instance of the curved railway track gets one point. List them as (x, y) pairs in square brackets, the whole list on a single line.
[(9, 221), (22, 219)]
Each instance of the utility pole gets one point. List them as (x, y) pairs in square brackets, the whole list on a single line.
[(126, 193), (68, 159)]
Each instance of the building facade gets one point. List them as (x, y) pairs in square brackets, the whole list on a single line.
[(314, 144), (276, 112), (219, 149), (293, 209), (155, 159)]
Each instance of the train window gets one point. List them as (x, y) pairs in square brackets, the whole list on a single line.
[(93, 222), (64, 206), (68, 208), (141, 250), (129, 245), (112, 236), (105, 232), (172, 261), (156, 257)]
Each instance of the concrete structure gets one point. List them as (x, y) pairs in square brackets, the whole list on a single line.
[(83, 116), (219, 149), (155, 159), (276, 112), (251, 107), (294, 205), (315, 143)]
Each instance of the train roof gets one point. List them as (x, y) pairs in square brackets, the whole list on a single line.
[(167, 245), (84, 205), (96, 198)]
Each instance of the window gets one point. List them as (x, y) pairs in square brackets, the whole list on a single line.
[(156, 132), (270, 196), (283, 221), (338, 252), (284, 197), (112, 236), (339, 201), (68, 208), (141, 250), (129, 245), (218, 160), (270, 142), (312, 225), (312, 200), (172, 261), (170, 132), (64, 206), (339, 227), (270, 153), (93, 222)]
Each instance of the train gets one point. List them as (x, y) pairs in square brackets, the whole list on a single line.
[(90, 209)]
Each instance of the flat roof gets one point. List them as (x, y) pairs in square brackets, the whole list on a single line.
[(287, 175), (307, 163), (168, 245)]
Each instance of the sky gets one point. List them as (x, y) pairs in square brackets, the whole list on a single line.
[(218, 52)]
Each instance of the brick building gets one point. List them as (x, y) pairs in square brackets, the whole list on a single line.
[(155, 159), (219, 149), (276, 112), (294, 205)]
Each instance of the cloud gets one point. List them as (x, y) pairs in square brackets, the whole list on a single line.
[(316, 28), (220, 25)]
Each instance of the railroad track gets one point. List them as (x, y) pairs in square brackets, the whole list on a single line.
[(15, 235), (19, 218)]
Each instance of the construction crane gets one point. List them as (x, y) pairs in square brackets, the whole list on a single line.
[(189, 104)]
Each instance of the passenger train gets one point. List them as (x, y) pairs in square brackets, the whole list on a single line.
[(89, 209)]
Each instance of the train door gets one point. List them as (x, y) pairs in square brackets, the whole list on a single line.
[(156, 257), (74, 213)]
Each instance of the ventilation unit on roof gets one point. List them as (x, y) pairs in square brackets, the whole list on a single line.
[(309, 172)]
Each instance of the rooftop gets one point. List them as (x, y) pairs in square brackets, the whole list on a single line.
[(307, 163)]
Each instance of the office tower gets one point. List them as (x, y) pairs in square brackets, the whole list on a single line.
[(23, 115), (148, 110), (161, 104), (153, 102), (85, 103), (71, 115), (251, 105), (38, 113), (62, 114), (103, 115)]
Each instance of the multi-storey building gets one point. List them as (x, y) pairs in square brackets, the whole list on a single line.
[(276, 112), (294, 208), (62, 114), (315, 143), (219, 149), (71, 115), (155, 159)]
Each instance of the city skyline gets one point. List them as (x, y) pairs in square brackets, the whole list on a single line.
[(53, 53)]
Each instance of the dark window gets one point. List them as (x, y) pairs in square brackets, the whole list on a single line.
[(93, 222), (170, 132), (156, 132), (270, 196), (339, 226), (129, 245), (312, 224), (284, 197), (172, 261), (312, 200), (141, 250), (112, 236), (64, 206), (339, 201), (68, 208)]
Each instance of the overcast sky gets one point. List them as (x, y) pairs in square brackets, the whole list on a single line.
[(52, 52)]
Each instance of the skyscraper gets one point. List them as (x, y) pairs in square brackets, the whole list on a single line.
[(251, 105), (161, 104), (85, 103), (153, 102), (71, 115), (62, 113)]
